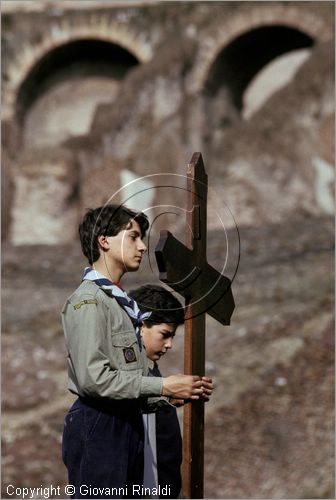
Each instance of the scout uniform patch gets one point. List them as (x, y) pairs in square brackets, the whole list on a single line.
[(86, 301), (129, 354)]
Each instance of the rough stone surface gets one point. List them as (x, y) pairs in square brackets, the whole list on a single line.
[(269, 426), (45, 200), (158, 118)]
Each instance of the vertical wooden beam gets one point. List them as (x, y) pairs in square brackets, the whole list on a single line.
[(186, 271), (193, 416), (194, 347)]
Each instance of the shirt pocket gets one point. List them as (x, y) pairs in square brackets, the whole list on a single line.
[(126, 348)]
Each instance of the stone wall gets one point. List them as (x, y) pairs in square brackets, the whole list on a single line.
[(78, 131), (147, 105)]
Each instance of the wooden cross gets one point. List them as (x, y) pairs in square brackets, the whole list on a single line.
[(186, 270)]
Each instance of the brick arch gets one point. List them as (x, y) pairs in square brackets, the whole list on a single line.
[(218, 36), (61, 34)]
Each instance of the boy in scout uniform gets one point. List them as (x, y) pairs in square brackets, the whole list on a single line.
[(107, 365), (163, 459)]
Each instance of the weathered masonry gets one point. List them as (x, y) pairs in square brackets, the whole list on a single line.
[(87, 88)]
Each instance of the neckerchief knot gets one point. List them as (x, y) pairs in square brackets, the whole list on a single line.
[(127, 303)]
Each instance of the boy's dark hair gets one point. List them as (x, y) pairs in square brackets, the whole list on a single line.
[(165, 308), (107, 220)]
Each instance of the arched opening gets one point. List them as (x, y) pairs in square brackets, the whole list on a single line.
[(271, 78), (237, 64), (57, 101), (58, 98)]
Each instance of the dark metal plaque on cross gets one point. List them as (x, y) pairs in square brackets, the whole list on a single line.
[(186, 270)]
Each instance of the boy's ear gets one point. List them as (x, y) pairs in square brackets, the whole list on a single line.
[(103, 242), (142, 324)]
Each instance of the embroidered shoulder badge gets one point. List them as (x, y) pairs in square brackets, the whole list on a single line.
[(129, 354), (86, 301)]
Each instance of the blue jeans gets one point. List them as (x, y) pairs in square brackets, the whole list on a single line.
[(102, 448)]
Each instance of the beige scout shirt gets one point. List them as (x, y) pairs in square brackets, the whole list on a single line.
[(104, 359)]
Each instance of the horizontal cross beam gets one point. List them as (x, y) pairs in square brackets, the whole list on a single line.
[(216, 296)]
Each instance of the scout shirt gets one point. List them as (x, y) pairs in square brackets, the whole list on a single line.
[(104, 359), (162, 448), (150, 475)]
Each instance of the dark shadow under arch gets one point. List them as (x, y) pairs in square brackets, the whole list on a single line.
[(238, 62), (72, 60)]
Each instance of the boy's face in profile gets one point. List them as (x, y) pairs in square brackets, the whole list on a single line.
[(158, 339), (126, 248)]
